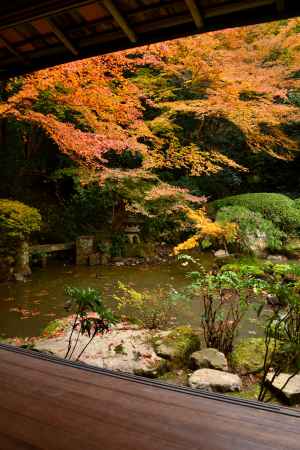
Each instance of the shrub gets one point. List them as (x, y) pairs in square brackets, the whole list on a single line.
[(297, 203), (18, 221), (153, 310), (278, 208), (282, 338), (251, 224), (225, 297)]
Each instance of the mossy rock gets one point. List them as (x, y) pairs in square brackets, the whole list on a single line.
[(248, 355), (292, 248), (177, 345)]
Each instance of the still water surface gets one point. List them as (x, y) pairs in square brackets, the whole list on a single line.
[(27, 308)]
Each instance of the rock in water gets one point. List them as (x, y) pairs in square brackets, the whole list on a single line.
[(221, 253), (277, 258), (215, 381), (291, 391), (209, 358)]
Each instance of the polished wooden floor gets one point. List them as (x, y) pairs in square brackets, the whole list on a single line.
[(49, 404)]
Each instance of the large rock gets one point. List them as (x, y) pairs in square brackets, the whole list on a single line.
[(178, 344), (209, 358), (125, 348), (291, 388), (257, 243), (215, 381)]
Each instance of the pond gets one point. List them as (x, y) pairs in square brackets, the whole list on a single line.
[(27, 308)]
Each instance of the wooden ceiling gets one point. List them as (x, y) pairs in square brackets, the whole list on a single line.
[(36, 34)]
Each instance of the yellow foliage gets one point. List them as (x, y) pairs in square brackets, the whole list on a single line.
[(206, 229), (187, 245)]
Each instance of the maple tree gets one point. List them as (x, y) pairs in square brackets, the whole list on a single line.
[(223, 106), (207, 230)]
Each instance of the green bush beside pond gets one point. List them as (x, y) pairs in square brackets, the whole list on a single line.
[(278, 208), (252, 225), (18, 221)]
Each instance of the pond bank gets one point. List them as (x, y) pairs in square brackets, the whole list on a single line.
[(176, 356)]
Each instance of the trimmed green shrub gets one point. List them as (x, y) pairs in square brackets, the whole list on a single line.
[(278, 208), (297, 203), (18, 221), (250, 225)]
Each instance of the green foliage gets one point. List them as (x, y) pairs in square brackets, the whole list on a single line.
[(277, 208), (265, 270), (54, 327), (297, 203), (255, 270), (7, 89), (118, 245), (294, 97), (292, 248), (47, 104), (92, 317), (295, 75), (225, 297), (154, 310), (160, 205), (282, 336), (18, 221), (86, 210), (126, 160), (281, 55), (251, 225), (295, 29), (167, 86), (247, 95)]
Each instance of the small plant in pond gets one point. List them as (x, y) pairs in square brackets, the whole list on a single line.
[(92, 317), (154, 310)]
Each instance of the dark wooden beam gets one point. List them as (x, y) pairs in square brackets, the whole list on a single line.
[(38, 10), (61, 36), (121, 21), (195, 12), (280, 4), (236, 7), (12, 50)]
